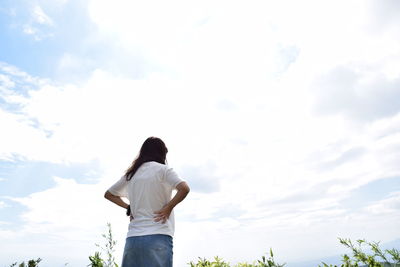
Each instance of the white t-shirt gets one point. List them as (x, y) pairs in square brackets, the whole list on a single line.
[(148, 191)]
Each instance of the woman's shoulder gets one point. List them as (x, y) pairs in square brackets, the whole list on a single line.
[(157, 165)]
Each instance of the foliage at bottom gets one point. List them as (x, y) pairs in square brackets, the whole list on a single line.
[(358, 258)]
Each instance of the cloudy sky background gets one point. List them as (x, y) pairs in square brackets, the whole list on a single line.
[(283, 116)]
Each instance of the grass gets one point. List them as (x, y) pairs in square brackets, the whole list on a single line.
[(376, 257)]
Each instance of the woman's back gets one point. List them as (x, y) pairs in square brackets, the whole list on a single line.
[(148, 184), (149, 190)]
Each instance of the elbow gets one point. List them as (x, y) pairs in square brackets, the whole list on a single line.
[(183, 187), (107, 195), (186, 189)]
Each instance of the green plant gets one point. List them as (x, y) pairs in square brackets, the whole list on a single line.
[(378, 258), (109, 249), (270, 261), (31, 263), (218, 262), (96, 260), (359, 258)]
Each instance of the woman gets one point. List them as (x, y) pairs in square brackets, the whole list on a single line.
[(148, 184)]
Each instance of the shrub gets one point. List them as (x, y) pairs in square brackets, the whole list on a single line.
[(96, 260), (31, 263), (218, 262), (205, 263), (359, 258), (109, 249), (378, 258)]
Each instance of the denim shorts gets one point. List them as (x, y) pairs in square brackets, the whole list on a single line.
[(148, 251)]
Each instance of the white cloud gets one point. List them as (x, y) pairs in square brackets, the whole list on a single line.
[(28, 29), (106, 114), (2, 203), (22, 76), (389, 205), (71, 212), (202, 178), (20, 138), (38, 25), (361, 94), (231, 89), (69, 63), (41, 17)]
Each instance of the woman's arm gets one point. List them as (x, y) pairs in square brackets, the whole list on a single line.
[(116, 199), (163, 214)]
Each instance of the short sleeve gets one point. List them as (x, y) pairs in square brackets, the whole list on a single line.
[(172, 178), (120, 187)]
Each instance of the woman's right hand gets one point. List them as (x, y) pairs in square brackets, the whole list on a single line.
[(163, 214)]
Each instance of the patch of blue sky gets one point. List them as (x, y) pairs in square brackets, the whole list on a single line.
[(17, 86), (11, 107), (21, 178), (39, 56), (20, 49), (10, 215), (14, 84), (372, 192)]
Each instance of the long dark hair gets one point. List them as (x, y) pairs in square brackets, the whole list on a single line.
[(153, 149)]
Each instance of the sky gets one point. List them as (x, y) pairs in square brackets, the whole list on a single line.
[(282, 116)]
